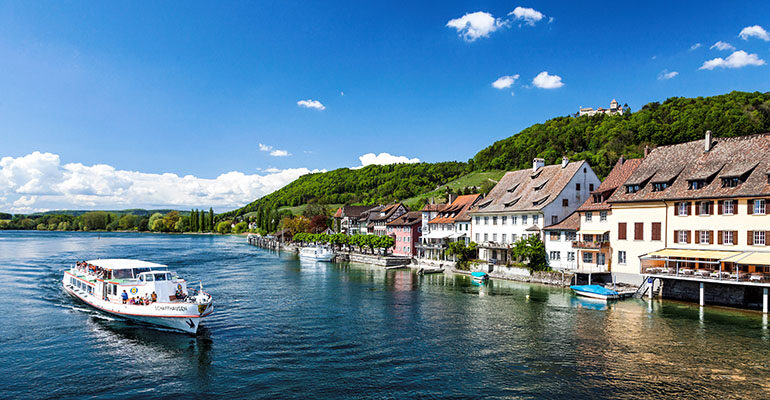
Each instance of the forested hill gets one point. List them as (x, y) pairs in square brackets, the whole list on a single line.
[(603, 139), (369, 185), (600, 139)]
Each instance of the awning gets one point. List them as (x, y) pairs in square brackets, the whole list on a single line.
[(750, 258), (685, 253), (437, 235), (457, 235), (592, 232)]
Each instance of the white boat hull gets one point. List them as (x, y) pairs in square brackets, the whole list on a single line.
[(316, 254), (185, 317), (595, 295)]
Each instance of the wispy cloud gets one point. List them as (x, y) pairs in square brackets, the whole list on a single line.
[(481, 24), (720, 45), (544, 80), (384, 159), (273, 152), (311, 104), (754, 31), (738, 59), (40, 181), (665, 75), (695, 46), (505, 81), (529, 16)]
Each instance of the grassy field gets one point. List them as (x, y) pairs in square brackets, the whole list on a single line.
[(298, 209), (472, 179)]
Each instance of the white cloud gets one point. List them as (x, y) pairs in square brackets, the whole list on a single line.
[(39, 181), (545, 81), (665, 74), (279, 153), (529, 16), (476, 25), (695, 46), (736, 60), (754, 31), (384, 159), (505, 81), (274, 153), (720, 45), (311, 104)]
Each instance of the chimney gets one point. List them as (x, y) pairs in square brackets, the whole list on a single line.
[(707, 142), (564, 161), (646, 150), (622, 160), (450, 198), (537, 164)]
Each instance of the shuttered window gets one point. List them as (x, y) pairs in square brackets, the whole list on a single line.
[(621, 231), (638, 231), (656, 231)]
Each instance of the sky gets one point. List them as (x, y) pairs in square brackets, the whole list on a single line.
[(110, 105)]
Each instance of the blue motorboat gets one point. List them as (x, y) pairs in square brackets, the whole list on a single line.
[(595, 292), (479, 276)]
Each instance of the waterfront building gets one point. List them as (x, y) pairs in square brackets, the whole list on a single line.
[(613, 110), (559, 239), (347, 217), (525, 201), (452, 223), (430, 211), (406, 231), (697, 210), (593, 245), (375, 219)]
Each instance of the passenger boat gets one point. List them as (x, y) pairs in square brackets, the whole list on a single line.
[(595, 292), (104, 284), (316, 253)]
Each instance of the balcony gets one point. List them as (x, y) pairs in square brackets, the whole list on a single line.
[(590, 245)]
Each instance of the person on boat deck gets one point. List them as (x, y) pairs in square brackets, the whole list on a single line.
[(154, 297), (131, 301), (124, 296)]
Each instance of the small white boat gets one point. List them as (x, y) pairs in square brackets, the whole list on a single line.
[(139, 290), (316, 253)]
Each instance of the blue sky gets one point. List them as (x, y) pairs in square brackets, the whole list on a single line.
[(193, 89)]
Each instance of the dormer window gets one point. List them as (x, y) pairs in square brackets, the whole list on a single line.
[(730, 182), (632, 188), (513, 189), (659, 186), (597, 198), (542, 185), (696, 184)]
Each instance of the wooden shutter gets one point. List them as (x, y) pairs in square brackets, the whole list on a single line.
[(711, 208), (720, 204), (676, 208), (711, 237), (697, 208), (735, 237), (720, 237), (697, 237), (621, 231), (750, 238), (639, 231), (656, 231), (676, 236), (689, 208), (767, 237), (750, 207), (689, 234), (735, 207)]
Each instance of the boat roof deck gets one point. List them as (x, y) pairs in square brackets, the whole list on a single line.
[(125, 263)]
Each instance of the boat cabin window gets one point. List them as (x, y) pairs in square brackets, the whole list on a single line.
[(138, 271), (146, 278), (163, 276), (122, 274)]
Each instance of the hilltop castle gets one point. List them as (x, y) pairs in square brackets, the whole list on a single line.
[(613, 110)]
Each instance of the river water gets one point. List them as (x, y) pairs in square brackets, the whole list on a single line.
[(286, 329)]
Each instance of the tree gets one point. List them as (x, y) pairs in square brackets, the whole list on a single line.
[(202, 221), (319, 223), (462, 252), (211, 218), (95, 220), (155, 223), (193, 221), (532, 251), (128, 222), (182, 224), (241, 227), (224, 227)]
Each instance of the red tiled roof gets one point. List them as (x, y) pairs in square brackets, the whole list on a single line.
[(410, 218), (457, 211), (619, 174), (571, 223)]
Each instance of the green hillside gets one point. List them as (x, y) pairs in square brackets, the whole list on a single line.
[(476, 179), (600, 139)]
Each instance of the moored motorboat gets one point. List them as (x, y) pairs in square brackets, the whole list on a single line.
[(316, 253), (479, 276), (595, 292), (138, 290)]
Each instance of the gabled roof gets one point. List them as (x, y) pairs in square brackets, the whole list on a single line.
[(619, 174), (388, 211), (744, 156), (571, 223), (457, 210), (410, 218), (433, 207), (523, 190)]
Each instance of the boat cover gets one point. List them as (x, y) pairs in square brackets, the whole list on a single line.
[(479, 274), (596, 289)]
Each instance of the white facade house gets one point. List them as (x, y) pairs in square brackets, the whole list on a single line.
[(525, 201), (558, 243), (613, 110), (451, 224)]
